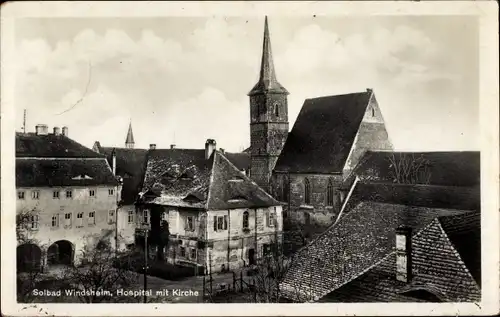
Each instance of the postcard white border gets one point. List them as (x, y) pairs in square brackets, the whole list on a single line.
[(489, 95)]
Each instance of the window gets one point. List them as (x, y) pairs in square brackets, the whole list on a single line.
[(55, 194), (286, 189), (266, 249), (55, 221), (276, 109), (182, 251), (130, 216), (145, 216), (220, 223), (245, 220), (164, 216), (307, 191), (270, 218), (111, 216), (91, 193), (189, 223), (79, 219), (111, 192), (91, 220), (373, 112), (20, 195), (34, 222), (193, 254), (67, 219), (35, 194), (69, 193), (329, 193)]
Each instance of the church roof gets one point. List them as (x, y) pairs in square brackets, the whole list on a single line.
[(130, 135), (323, 134), (267, 80), (185, 178), (357, 253)]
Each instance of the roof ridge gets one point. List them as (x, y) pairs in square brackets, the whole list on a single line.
[(340, 95)]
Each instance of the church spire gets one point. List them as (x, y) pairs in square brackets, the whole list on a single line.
[(267, 79), (129, 142)]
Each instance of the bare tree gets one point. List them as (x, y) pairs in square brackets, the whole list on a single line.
[(408, 168), (98, 278)]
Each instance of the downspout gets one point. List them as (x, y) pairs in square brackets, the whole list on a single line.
[(256, 253), (228, 236)]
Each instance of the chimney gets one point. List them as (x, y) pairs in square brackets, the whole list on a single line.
[(57, 130), (172, 146), (152, 146), (209, 148), (42, 129), (403, 254), (369, 90), (113, 161), (65, 131), (222, 150)]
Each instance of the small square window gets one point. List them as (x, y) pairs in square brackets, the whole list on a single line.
[(91, 220), (193, 254), (20, 195), (91, 193), (55, 221), (55, 194), (111, 192), (182, 251), (69, 193)]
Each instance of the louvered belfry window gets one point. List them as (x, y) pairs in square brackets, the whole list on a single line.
[(329, 194)]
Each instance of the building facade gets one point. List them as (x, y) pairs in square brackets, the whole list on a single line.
[(218, 219), (66, 199)]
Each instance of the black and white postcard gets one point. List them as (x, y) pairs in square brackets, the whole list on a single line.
[(293, 158)]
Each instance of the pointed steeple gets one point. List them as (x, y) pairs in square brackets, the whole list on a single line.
[(129, 142), (267, 80)]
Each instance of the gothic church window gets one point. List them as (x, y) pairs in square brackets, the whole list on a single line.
[(329, 193), (307, 191), (276, 109)]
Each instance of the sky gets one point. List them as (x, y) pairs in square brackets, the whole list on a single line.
[(182, 80)]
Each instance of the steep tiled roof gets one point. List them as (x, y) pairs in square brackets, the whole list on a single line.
[(463, 198), (50, 145), (240, 160), (130, 165), (63, 172), (323, 134), (438, 271), (352, 246), (459, 168), (186, 178)]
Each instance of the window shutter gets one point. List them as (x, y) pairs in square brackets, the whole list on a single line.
[(225, 222), (215, 223), (186, 221), (267, 218)]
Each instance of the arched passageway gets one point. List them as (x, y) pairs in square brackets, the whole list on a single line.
[(29, 257), (60, 252)]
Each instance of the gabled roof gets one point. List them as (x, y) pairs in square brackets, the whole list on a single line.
[(50, 145), (63, 172), (130, 165), (352, 246), (432, 248), (240, 160), (323, 134), (211, 184), (454, 168)]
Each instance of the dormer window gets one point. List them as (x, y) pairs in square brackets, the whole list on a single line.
[(193, 198), (237, 199), (81, 177)]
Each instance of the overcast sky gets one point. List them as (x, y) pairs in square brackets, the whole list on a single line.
[(183, 80)]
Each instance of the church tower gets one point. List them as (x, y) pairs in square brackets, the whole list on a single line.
[(268, 118), (129, 141)]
